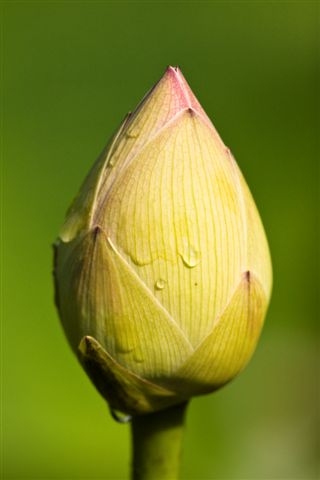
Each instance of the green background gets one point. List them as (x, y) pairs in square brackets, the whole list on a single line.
[(70, 71)]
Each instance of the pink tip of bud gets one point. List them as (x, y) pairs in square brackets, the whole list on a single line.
[(181, 91)]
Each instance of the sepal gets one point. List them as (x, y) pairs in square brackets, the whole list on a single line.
[(122, 389)]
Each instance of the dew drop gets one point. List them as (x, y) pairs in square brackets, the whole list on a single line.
[(122, 346), (132, 134), (137, 357), (190, 256), (112, 160), (120, 417), (140, 261), (160, 284)]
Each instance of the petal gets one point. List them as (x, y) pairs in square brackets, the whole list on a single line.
[(176, 215), (123, 390), (105, 298), (159, 107), (228, 348)]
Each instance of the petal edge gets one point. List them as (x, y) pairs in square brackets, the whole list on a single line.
[(230, 345)]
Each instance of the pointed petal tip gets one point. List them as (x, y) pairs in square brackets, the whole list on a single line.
[(247, 276), (97, 230), (124, 390), (184, 95), (175, 75), (85, 343), (173, 69)]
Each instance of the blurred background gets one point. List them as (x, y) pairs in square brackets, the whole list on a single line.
[(70, 71)]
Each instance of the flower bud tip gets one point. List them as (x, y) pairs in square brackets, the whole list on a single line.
[(181, 91)]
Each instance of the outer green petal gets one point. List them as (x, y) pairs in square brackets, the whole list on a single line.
[(226, 351), (102, 296), (123, 390)]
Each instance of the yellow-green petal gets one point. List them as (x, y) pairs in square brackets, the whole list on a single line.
[(228, 348), (102, 296), (124, 390), (176, 215)]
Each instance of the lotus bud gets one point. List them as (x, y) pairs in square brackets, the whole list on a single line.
[(162, 268)]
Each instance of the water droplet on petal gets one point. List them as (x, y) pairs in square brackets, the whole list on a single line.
[(120, 417), (123, 349), (132, 134), (121, 344), (190, 256), (140, 261), (111, 161), (137, 357), (160, 284)]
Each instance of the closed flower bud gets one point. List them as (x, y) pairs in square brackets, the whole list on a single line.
[(162, 268)]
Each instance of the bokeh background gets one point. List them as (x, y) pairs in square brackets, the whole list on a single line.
[(70, 71)]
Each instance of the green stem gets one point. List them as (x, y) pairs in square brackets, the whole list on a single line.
[(157, 440)]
